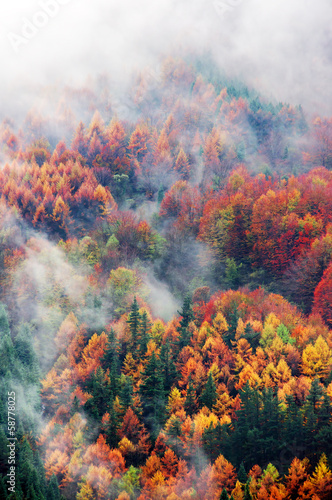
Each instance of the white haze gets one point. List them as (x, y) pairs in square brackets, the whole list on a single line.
[(280, 47)]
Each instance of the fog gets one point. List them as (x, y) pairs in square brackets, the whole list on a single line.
[(282, 48)]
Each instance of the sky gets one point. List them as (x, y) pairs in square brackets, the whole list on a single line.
[(283, 48)]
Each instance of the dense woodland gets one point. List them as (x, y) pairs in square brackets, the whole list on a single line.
[(166, 293)]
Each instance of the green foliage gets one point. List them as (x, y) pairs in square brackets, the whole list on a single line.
[(152, 393), (187, 315), (242, 475), (209, 394), (134, 324), (224, 495), (190, 404), (145, 327), (284, 334), (130, 482), (232, 273), (53, 492)]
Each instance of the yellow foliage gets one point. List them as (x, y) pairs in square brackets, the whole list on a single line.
[(248, 375), (239, 329), (220, 324), (272, 320), (223, 404), (317, 359), (175, 401), (158, 479), (126, 446)]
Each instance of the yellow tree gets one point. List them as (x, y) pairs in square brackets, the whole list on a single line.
[(317, 359)]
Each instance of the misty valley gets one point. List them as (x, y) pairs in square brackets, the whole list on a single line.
[(165, 291)]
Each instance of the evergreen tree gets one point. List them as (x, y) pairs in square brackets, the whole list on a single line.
[(209, 395), (224, 495), (252, 336), (323, 437), (315, 395), (144, 330), (152, 393), (111, 362), (270, 420), (100, 390), (111, 354), (134, 324), (190, 404), (26, 355), (242, 475), (112, 437), (293, 427), (215, 441), (126, 393), (245, 440), (53, 492), (187, 315), (168, 366)]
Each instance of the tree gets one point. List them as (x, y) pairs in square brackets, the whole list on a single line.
[(209, 395), (168, 366), (110, 361), (297, 475), (223, 474), (242, 475), (80, 143), (53, 492), (134, 324), (187, 315), (190, 404), (317, 359), (224, 495), (182, 165), (145, 327), (152, 394), (321, 479)]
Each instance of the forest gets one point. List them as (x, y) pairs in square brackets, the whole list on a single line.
[(166, 292)]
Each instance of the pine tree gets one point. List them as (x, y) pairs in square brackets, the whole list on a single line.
[(209, 395), (111, 362), (111, 356), (242, 475), (152, 393), (190, 404), (215, 441), (112, 428), (26, 355), (100, 390), (168, 366), (144, 330), (224, 495), (126, 393), (315, 395), (187, 315), (134, 324), (293, 425), (53, 492)]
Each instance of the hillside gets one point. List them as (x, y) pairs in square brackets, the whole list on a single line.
[(166, 286)]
